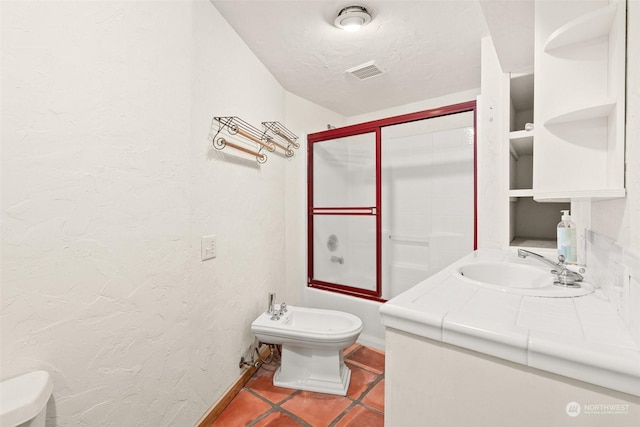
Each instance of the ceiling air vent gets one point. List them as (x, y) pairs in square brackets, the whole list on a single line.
[(365, 71)]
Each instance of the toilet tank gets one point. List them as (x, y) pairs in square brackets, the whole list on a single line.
[(23, 399)]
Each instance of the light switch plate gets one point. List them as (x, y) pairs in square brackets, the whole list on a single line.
[(209, 247)]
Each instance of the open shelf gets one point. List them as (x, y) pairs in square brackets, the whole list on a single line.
[(533, 242), (587, 27), (515, 194), (521, 142), (587, 113), (533, 224), (594, 195)]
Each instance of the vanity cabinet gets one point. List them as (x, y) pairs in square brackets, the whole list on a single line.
[(579, 100)]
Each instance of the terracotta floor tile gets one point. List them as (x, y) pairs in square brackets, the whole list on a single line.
[(243, 409), (317, 409), (361, 379), (307, 408), (350, 349), (262, 383), (359, 416), (375, 397), (278, 419), (367, 358)]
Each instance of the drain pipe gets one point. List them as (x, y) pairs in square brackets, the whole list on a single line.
[(256, 363), (243, 363)]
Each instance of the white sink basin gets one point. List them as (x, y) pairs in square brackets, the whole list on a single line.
[(518, 279)]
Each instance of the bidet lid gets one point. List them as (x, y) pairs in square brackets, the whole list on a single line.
[(23, 397)]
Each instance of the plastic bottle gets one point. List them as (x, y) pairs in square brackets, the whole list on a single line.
[(567, 240)]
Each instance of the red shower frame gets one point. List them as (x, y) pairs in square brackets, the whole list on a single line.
[(375, 127)]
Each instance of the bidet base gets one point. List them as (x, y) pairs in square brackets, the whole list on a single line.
[(317, 370)]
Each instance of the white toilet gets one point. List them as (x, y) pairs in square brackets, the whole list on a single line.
[(23, 400), (312, 342)]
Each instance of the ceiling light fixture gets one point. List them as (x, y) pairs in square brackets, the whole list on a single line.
[(352, 18)]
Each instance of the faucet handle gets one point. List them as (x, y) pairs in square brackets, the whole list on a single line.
[(283, 307)]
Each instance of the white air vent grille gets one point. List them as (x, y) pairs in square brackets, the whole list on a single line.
[(365, 71)]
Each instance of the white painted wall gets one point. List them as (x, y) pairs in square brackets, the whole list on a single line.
[(108, 183), (303, 117), (234, 198)]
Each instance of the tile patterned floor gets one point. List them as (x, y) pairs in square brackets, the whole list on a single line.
[(261, 404)]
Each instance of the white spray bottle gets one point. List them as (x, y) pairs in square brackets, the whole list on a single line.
[(567, 238)]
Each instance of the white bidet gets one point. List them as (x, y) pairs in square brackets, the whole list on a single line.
[(312, 342)]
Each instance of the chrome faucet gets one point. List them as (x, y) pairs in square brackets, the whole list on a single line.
[(523, 254), (275, 314), (564, 276), (338, 259), (272, 302)]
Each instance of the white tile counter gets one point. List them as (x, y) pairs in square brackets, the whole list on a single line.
[(579, 337)]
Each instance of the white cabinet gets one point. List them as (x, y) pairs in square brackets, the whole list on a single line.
[(580, 100)]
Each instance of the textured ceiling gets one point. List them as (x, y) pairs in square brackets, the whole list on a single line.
[(426, 48)]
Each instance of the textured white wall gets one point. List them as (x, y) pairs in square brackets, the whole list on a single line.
[(108, 183), (234, 198), (301, 116), (95, 214)]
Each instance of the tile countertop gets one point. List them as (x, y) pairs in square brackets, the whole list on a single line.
[(580, 337)]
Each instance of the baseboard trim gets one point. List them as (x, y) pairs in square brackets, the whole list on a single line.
[(214, 412)]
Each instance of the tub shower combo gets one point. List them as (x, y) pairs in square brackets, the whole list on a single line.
[(391, 202)]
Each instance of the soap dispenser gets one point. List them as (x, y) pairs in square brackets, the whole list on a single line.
[(567, 240)]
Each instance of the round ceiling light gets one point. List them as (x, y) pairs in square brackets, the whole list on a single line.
[(352, 18)]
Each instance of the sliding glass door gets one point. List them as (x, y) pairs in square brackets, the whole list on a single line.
[(343, 214), (391, 202), (428, 198)]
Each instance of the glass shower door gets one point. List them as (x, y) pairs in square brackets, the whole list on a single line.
[(428, 183), (343, 215)]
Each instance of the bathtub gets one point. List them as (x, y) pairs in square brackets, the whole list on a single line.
[(368, 311)]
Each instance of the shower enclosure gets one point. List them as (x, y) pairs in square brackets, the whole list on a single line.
[(391, 202)]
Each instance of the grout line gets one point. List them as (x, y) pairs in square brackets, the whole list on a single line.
[(352, 351), (358, 401), (371, 408), (365, 367), (371, 386), (276, 407), (343, 414)]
